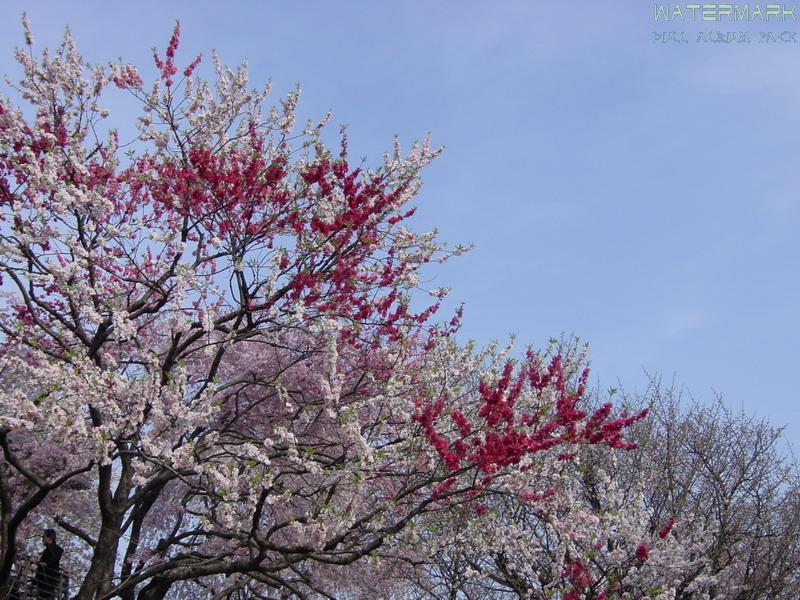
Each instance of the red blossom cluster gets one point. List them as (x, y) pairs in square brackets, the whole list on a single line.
[(167, 67), (579, 577), (502, 434), (667, 528), (642, 552)]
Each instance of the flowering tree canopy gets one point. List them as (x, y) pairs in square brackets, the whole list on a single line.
[(707, 507), (213, 379)]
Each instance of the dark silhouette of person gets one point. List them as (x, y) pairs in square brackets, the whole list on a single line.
[(48, 573)]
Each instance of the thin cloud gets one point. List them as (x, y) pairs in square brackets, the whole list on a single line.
[(683, 321)]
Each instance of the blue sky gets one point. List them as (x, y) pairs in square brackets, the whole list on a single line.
[(643, 196)]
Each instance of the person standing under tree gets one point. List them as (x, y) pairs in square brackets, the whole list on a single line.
[(48, 573)]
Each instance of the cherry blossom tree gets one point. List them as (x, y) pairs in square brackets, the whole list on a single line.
[(706, 507), (213, 380), (730, 476)]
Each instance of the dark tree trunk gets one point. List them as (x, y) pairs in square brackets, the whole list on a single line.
[(155, 590), (101, 571)]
